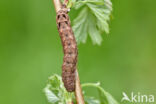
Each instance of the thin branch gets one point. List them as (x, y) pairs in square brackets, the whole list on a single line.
[(66, 2), (78, 90), (57, 4)]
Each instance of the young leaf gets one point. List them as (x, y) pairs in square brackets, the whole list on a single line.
[(52, 98), (104, 97), (56, 92), (92, 19)]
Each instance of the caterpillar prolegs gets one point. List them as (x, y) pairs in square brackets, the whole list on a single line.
[(69, 49)]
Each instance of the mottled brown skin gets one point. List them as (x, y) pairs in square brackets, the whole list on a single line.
[(69, 49)]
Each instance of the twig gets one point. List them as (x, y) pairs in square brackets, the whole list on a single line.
[(78, 91), (57, 5), (65, 2)]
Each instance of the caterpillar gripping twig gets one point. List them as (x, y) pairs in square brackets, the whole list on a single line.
[(69, 49)]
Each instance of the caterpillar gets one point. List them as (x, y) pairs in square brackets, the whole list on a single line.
[(69, 49)]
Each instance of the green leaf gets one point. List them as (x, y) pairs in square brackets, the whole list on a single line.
[(55, 91), (50, 95), (92, 19), (70, 3), (104, 97), (91, 100)]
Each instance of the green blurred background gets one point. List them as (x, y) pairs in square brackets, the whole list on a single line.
[(31, 51)]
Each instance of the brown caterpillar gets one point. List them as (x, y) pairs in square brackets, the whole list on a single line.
[(69, 49)]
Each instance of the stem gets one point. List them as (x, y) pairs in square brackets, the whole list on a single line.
[(78, 90), (57, 5), (65, 2)]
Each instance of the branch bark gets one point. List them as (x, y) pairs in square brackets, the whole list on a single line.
[(78, 90)]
